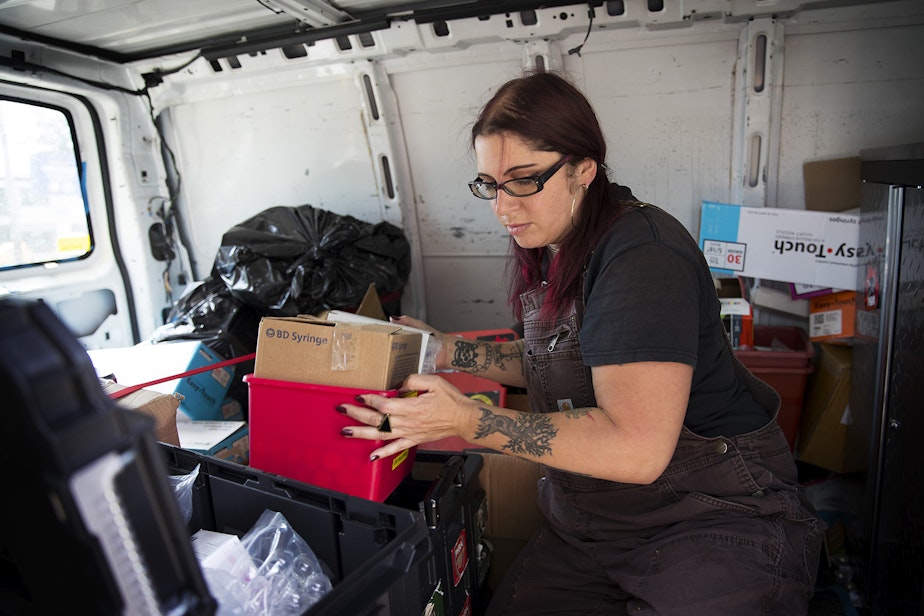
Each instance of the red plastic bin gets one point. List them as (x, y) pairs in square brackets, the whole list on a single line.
[(785, 367), (295, 433)]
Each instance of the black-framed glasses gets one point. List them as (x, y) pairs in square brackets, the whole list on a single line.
[(517, 187)]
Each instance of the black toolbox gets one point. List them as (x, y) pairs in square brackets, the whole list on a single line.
[(385, 558)]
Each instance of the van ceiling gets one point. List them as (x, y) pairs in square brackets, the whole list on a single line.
[(127, 30)]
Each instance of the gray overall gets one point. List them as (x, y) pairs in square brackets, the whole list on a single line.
[(724, 530)]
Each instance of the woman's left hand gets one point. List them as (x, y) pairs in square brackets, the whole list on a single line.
[(427, 408)]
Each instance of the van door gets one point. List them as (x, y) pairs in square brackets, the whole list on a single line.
[(55, 238)]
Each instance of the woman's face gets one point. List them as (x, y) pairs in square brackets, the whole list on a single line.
[(540, 219), (544, 218)]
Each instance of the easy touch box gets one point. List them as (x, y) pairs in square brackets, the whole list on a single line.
[(833, 318), (295, 432), (306, 349), (798, 246), (201, 395)]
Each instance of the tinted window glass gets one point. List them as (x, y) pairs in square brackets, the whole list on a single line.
[(43, 216)]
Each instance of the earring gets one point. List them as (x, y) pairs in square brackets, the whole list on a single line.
[(573, 199)]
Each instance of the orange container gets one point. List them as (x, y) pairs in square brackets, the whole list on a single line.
[(295, 433), (782, 358)]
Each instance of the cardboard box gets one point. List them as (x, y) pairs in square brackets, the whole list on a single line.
[(510, 486), (162, 407), (826, 419), (816, 248), (832, 185), (307, 349), (833, 318), (805, 291), (781, 301), (429, 345), (371, 311), (201, 395)]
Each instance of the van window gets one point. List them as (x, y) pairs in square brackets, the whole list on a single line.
[(43, 215)]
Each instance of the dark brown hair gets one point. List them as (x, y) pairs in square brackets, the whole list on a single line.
[(550, 114)]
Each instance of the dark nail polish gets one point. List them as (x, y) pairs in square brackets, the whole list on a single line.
[(346, 432), (341, 409), (373, 458), (360, 399)]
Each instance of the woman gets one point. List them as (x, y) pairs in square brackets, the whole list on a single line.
[(670, 488)]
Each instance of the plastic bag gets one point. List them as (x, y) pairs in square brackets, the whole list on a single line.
[(302, 260), (208, 311), (283, 576), (182, 491)]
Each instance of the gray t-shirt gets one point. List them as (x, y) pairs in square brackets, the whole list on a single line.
[(649, 296)]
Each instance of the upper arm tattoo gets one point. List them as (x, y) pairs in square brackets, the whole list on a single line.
[(529, 433), (577, 413)]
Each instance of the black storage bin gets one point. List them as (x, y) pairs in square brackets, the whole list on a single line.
[(383, 558), (445, 488)]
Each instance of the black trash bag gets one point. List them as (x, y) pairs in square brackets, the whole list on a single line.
[(209, 312), (302, 260)]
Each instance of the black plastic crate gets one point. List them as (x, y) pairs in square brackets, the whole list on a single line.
[(445, 488), (383, 558)]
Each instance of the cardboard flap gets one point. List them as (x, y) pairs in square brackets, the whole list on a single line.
[(301, 318), (383, 328), (371, 306)]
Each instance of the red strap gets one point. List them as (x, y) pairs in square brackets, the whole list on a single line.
[(228, 362)]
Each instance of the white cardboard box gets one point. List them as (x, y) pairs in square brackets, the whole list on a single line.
[(815, 248)]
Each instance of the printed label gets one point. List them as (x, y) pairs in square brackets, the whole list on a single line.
[(295, 336), (222, 376), (459, 558), (725, 255), (829, 323), (399, 458)]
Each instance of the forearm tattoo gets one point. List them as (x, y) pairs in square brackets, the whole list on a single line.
[(471, 356), (528, 433)]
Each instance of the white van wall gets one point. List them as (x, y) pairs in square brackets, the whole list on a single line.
[(675, 103), (379, 129)]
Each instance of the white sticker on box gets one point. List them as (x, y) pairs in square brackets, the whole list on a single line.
[(222, 376), (828, 323), (725, 255)]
